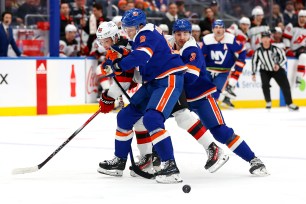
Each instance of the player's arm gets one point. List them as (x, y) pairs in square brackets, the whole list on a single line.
[(194, 61), (240, 52), (143, 50), (62, 48)]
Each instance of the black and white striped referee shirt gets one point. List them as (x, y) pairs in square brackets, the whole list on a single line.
[(265, 59)]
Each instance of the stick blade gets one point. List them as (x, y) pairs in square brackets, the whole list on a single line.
[(25, 170)]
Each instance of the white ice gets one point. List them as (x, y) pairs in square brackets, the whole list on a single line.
[(278, 137)]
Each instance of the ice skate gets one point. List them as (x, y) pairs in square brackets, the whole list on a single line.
[(113, 167), (145, 164), (229, 90), (169, 173), (293, 107), (156, 162), (216, 158), (258, 168), (227, 103)]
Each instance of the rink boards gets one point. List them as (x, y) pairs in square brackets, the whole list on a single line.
[(34, 86)]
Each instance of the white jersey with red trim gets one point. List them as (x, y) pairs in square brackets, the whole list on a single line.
[(240, 36), (68, 49), (295, 36), (255, 35)]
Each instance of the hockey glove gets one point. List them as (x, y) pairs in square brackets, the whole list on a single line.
[(121, 50), (105, 69), (230, 91), (106, 103), (116, 68)]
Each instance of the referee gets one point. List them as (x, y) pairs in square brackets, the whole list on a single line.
[(270, 60)]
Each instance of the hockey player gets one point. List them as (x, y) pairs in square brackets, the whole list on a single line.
[(162, 75), (198, 90), (295, 38), (68, 46), (222, 52)]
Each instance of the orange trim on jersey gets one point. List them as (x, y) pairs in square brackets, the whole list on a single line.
[(167, 94), (216, 110), (193, 67), (158, 134), (202, 95), (240, 64), (233, 141), (170, 71), (146, 48), (122, 134), (144, 140), (238, 52)]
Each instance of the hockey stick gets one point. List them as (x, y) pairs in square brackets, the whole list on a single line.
[(39, 166), (135, 168)]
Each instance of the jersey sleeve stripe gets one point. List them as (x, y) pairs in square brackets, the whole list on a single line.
[(146, 49), (240, 64), (171, 71)]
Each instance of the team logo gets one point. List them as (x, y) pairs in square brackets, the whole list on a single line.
[(135, 13), (192, 56), (142, 38)]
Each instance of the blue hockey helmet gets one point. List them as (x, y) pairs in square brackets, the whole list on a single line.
[(218, 22), (181, 25), (134, 17)]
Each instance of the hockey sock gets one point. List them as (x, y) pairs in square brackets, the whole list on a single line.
[(163, 145), (240, 147), (123, 140), (143, 142)]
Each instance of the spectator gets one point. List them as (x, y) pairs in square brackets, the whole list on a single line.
[(298, 6), (170, 16), (194, 18), (12, 6), (181, 9), (215, 8), (79, 10), (139, 4), (206, 24), (28, 7), (91, 26), (277, 16), (122, 6), (68, 45), (164, 28), (289, 13), (6, 35), (65, 18), (130, 5)]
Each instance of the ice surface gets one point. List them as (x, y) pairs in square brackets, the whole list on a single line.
[(278, 137)]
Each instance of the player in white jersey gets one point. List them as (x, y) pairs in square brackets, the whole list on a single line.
[(68, 46), (258, 26), (295, 38), (241, 33)]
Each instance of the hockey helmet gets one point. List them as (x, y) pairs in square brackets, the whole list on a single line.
[(245, 20), (164, 27), (218, 22), (195, 27), (70, 28), (302, 13), (257, 11), (134, 17), (181, 25), (107, 30)]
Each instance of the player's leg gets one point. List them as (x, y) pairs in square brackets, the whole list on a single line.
[(265, 81), (159, 109), (211, 116)]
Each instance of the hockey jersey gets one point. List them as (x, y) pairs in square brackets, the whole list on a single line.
[(254, 34), (196, 83), (222, 56), (295, 36), (241, 37), (68, 49), (152, 54)]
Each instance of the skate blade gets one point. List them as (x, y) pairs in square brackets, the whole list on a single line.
[(218, 164), (110, 172), (261, 172), (174, 178)]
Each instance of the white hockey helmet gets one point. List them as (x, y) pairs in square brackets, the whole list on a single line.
[(245, 20), (257, 11), (164, 27), (70, 28), (302, 13), (117, 19), (107, 30), (195, 27)]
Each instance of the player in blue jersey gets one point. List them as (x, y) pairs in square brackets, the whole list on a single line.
[(222, 52), (162, 75), (199, 92)]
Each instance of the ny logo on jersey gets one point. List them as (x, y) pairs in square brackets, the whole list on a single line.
[(218, 56)]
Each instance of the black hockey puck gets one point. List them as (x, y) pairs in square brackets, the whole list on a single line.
[(186, 188)]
